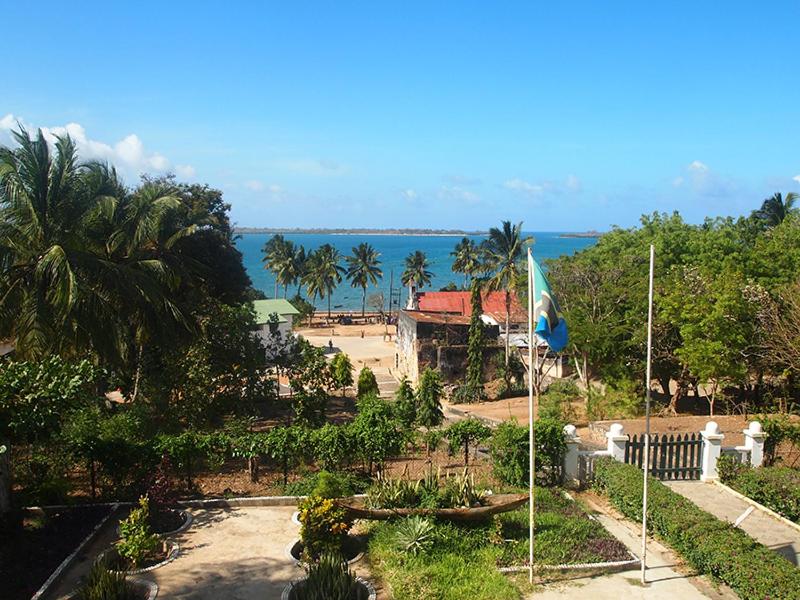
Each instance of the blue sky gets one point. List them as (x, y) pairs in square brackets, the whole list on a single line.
[(433, 114)]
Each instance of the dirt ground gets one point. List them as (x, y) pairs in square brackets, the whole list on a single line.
[(322, 326)]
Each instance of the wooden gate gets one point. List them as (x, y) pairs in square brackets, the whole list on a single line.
[(671, 457)]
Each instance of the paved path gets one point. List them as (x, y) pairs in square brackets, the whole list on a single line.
[(771, 532), (664, 582)]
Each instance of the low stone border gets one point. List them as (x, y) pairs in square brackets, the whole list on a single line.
[(174, 552), (370, 588), (758, 505), (151, 586), (288, 553), (251, 501), (65, 564)]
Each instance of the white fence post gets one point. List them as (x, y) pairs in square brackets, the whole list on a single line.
[(754, 437), (571, 466), (616, 442), (712, 449)]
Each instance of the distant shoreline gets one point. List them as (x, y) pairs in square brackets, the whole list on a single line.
[(581, 234), (322, 231)]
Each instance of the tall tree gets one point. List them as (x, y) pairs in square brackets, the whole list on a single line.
[(363, 268), (504, 250), (429, 404), (475, 342), (416, 270), (323, 273), (276, 253), (776, 208), (466, 259)]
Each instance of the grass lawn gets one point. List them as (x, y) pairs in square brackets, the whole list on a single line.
[(463, 559)]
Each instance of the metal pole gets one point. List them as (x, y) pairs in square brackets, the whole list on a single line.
[(531, 374), (646, 466)]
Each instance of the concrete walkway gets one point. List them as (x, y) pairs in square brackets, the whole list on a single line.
[(664, 581), (771, 532)]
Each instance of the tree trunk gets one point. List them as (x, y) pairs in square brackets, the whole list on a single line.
[(276, 287), (466, 453), (5, 477), (364, 302), (285, 290), (138, 375), (252, 469), (329, 306)]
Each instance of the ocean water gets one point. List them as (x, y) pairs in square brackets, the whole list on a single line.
[(393, 250)]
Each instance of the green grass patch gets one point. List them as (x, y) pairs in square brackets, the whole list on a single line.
[(463, 560)]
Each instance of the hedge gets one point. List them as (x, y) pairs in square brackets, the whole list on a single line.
[(777, 488), (710, 545)]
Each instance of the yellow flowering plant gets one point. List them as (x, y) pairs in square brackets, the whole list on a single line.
[(324, 525)]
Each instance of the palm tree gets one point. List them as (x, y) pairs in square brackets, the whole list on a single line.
[(416, 272), (323, 273), (276, 255), (298, 266), (363, 268), (774, 210), (504, 252), (466, 259)]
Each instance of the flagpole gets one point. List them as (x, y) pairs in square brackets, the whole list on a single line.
[(531, 374), (647, 415)]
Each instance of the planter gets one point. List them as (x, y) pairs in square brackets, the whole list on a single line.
[(296, 518), (147, 590), (366, 591), (181, 523), (352, 550), (171, 551), (495, 504)]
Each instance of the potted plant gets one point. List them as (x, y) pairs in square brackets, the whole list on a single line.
[(329, 578)]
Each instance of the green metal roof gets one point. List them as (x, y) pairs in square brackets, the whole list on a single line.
[(279, 306)]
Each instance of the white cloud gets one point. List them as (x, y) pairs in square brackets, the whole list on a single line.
[(409, 194), (520, 185), (129, 154), (573, 184), (796, 178), (185, 171), (275, 189), (254, 185), (697, 167), (310, 166), (678, 181), (535, 190), (454, 192)]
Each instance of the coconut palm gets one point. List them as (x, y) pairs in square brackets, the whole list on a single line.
[(775, 209), (466, 259), (83, 263), (276, 253), (363, 268), (416, 272), (504, 251), (323, 273), (287, 261)]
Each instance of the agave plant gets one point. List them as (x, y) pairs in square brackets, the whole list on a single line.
[(387, 492), (329, 579), (460, 490), (414, 535)]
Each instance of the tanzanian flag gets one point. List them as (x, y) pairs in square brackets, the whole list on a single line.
[(548, 323)]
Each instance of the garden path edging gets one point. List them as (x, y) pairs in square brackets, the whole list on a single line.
[(758, 505), (174, 552), (67, 562)]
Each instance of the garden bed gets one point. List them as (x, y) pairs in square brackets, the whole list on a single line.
[(165, 554), (48, 537), (464, 560)]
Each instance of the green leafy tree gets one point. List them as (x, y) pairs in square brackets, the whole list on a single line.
[(429, 404), (377, 434), (35, 397), (363, 268), (416, 271), (287, 446), (466, 259), (504, 252), (342, 371), (367, 384), (250, 446), (333, 446), (405, 404), (464, 433), (475, 342), (276, 253)]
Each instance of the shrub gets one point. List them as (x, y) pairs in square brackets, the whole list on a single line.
[(405, 404), (711, 546), (329, 579), (328, 486), (324, 525), (367, 384), (467, 394), (779, 429), (465, 432), (342, 371), (346, 483), (104, 584), (137, 539), (333, 445), (509, 451), (777, 488), (556, 401), (377, 435), (414, 535), (429, 394), (620, 400)]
